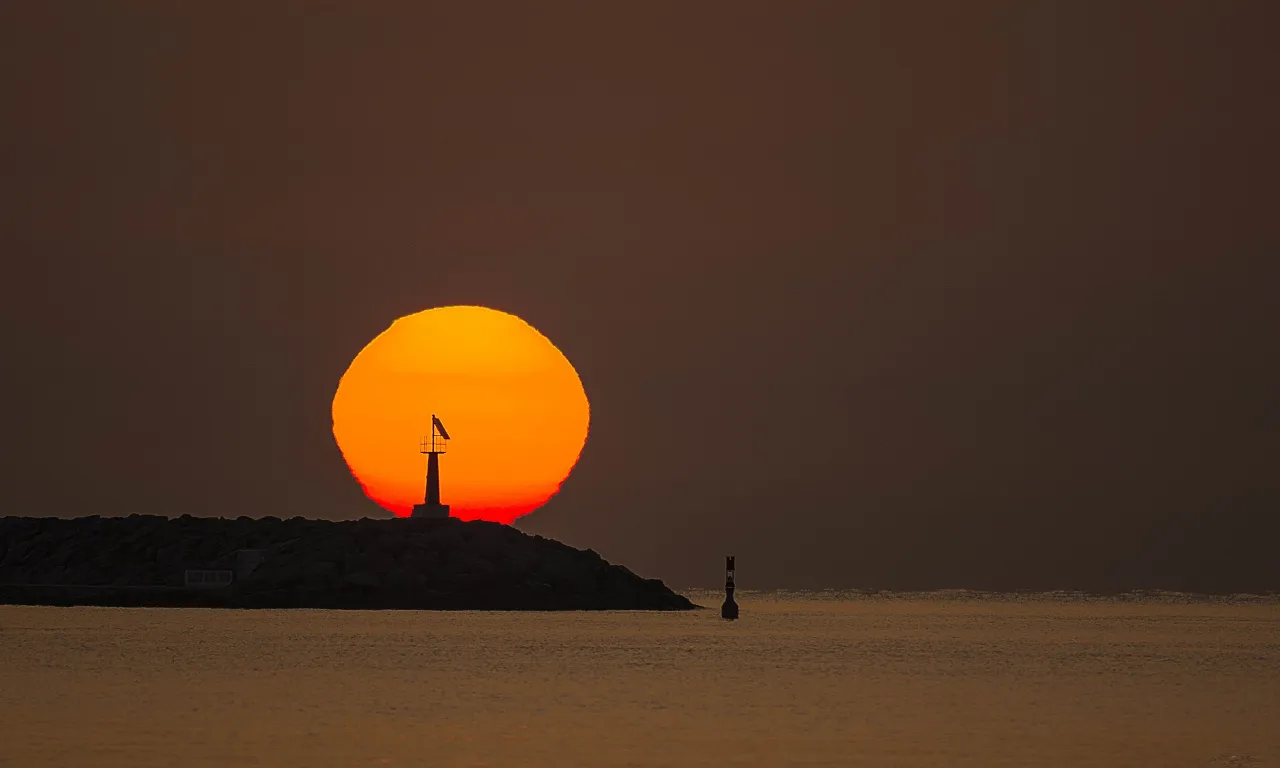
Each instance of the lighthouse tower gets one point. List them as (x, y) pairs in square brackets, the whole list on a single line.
[(432, 448)]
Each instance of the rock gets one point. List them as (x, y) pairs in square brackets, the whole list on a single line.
[(321, 572), (362, 579), (434, 564), (404, 578)]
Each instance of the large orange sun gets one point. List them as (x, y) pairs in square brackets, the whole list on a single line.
[(513, 405)]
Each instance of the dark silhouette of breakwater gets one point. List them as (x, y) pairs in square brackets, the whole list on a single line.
[(413, 564)]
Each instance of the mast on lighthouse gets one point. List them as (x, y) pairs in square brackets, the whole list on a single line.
[(432, 447)]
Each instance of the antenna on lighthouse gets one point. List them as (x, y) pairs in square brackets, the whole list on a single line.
[(432, 447)]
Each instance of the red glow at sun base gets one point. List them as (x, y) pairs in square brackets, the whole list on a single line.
[(504, 515)]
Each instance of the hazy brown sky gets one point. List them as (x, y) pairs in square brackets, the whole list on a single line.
[(887, 294)]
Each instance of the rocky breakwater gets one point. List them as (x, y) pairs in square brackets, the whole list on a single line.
[(413, 564)]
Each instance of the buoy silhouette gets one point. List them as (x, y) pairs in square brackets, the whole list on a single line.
[(730, 609)]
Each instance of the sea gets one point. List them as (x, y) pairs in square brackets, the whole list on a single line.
[(801, 679)]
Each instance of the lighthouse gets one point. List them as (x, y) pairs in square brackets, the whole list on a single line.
[(432, 447), (730, 609)]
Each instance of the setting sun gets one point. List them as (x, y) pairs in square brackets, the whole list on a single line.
[(512, 402)]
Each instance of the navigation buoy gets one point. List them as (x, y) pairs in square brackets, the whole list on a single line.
[(730, 609)]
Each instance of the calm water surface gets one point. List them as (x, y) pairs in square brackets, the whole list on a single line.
[(956, 679)]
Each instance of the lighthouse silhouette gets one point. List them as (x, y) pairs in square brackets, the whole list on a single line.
[(432, 447)]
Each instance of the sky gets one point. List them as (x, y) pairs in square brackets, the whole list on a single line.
[(893, 295)]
